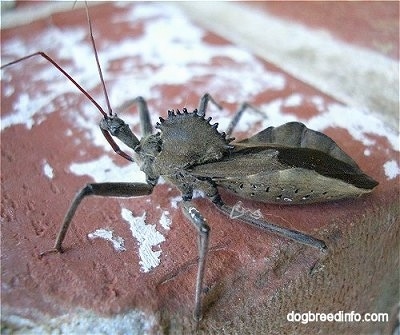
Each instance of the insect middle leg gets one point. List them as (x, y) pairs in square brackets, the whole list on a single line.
[(99, 189), (203, 230), (206, 98), (235, 120)]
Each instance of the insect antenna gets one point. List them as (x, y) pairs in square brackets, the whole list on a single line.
[(78, 86), (103, 84), (106, 134), (59, 68), (108, 137)]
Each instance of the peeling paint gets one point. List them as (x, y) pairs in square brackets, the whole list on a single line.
[(186, 56), (48, 170), (83, 321), (108, 235), (170, 55), (165, 220), (175, 201), (103, 169), (294, 100), (148, 239), (358, 122), (392, 169)]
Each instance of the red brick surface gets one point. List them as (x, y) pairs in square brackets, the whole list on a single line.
[(370, 24), (47, 123)]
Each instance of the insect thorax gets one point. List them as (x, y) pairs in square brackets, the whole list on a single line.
[(185, 140), (188, 139)]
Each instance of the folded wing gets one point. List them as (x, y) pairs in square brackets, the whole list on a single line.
[(288, 164)]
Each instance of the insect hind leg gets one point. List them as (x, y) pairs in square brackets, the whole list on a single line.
[(275, 229)]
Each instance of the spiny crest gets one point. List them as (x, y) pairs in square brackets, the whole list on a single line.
[(191, 139), (185, 118)]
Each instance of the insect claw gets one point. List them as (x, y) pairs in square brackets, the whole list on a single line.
[(197, 318), (323, 248), (51, 251)]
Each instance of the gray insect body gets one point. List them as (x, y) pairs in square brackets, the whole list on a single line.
[(290, 164)]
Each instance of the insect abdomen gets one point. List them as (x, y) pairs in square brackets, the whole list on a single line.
[(291, 186)]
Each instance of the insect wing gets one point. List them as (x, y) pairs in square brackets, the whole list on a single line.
[(297, 135), (288, 164)]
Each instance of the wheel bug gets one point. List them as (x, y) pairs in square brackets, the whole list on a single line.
[(289, 165)]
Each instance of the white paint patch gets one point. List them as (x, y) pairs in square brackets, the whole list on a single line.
[(194, 213), (81, 321), (177, 53), (319, 102), (104, 169), (337, 68), (147, 236), (293, 100), (175, 200), (48, 170), (367, 152), (392, 169), (173, 46), (108, 235), (359, 123), (165, 220)]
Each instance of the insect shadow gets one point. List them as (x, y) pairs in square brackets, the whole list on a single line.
[(289, 164)]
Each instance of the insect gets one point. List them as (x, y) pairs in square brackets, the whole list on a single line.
[(290, 164)]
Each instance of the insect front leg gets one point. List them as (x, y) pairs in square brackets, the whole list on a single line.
[(203, 230), (117, 127), (99, 189)]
